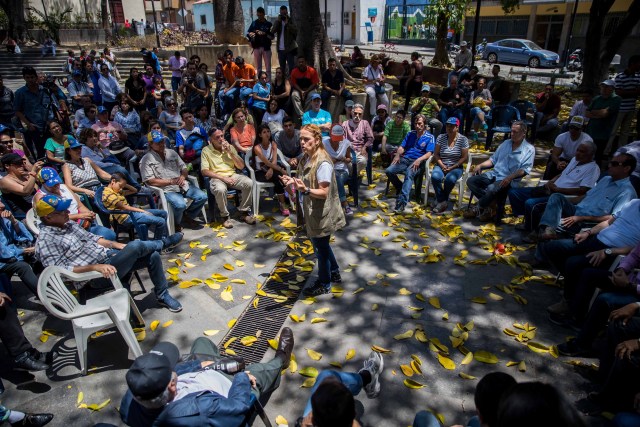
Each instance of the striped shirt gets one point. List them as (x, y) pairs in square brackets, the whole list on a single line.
[(451, 155), (626, 81), (395, 134), (110, 199)]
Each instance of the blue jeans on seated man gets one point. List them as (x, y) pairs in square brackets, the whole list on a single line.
[(176, 200), (487, 190), (113, 168), (157, 220), (101, 231), (342, 178), (402, 188), (325, 95), (522, 203), (351, 380), (140, 254), (443, 184), (538, 127), (447, 112), (245, 93), (228, 100)]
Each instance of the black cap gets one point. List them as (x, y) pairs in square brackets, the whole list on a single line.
[(11, 159), (150, 373)]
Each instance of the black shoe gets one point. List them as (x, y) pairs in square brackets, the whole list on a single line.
[(335, 277), (316, 289), (42, 357), (285, 347), (573, 349), (27, 362), (34, 420), (566, 320), (399, 209)]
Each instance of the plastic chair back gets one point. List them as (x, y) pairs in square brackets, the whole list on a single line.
[(501, 118)]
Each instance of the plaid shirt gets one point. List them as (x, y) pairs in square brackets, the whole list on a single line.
[(69, 247)]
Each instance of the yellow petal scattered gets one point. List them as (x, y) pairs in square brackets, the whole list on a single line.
[(466, 376), (309, 382), (404, 335), (485, 357), (280, 420), (167, 323), (314, 354), (173, 271), (239, 281), (479, 300), (446, 362), (231, 323), (322, 310), (229, 267), (258, 265), (379, 349), (522, 367), (406, 370), (97, 407), (412, 384), (211, 332), (350, 354), (154, 325), (80, 398), (467, 359), (318, 320), (435, 302), (248, 340), (310, 372), (404, 291)]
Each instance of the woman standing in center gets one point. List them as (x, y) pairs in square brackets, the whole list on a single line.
[(320, 204)]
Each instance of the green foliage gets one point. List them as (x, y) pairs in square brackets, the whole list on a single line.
[(453, 10), (53, 21), (4, 20), (510, 6)]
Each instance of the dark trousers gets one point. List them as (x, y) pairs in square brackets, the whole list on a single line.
[(287, 58), (24, 272), (267, 374), (35, 141), (599, 313), (412, 88), (11, 333), (278, 188), (326, 260), (620, 376)]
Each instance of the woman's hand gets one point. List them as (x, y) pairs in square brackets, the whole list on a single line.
[(90, 193), (269, 173)]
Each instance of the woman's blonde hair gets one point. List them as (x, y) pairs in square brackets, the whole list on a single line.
[(320, 154)]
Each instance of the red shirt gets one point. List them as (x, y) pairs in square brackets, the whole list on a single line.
[(304, 79)]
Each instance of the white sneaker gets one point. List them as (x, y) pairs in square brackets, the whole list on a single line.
[(374, 364)]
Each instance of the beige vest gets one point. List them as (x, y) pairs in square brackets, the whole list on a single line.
[(322, 216)]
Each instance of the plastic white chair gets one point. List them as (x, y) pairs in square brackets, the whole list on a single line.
[(103, 312), (258, 186), (171, 227), (461, 183)]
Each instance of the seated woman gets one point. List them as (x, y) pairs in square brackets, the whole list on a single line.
[(170, 118), (452, 151), (281, 90), (481, 104), (339, 149), (273, 116), (243, 134), (129, 119), (54, 146), (265, 158), (356, 60), (19, 185), (81, 174), (261, 94), (7, 146), (203, 119), (50, 183)]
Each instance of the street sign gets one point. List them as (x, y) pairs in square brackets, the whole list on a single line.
[(182, 13)]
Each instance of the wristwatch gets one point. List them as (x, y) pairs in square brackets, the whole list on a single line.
[(608, 252), (306, 192)]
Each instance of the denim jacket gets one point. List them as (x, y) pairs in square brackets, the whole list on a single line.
[(8, 239)]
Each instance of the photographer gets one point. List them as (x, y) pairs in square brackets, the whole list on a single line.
[(194, 87), (286, 33), (163, 388)]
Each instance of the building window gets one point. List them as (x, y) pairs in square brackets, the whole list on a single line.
[(203, 19), (346, 18)]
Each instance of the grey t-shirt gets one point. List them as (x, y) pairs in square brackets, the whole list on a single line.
[(290, 147)]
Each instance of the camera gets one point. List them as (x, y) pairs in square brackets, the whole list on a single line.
[(190, 80)]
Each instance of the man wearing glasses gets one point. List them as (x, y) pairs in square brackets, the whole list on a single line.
[(360, 134)]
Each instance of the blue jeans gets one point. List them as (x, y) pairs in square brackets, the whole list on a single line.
[(404, 167), (558, 207), (531, 207), (342, 178), (175, 83), (351, 380), (325, 95), (438, 178), (426, 419), (158, 220), (473, 113), (486, 189), (137, 255), (626, 419), (245, 93), (570, 258), (113, 168), (326, 260), (176, 200), (447, 112), (228, 100), (101, 231)]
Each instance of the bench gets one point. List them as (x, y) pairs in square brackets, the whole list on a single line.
[(552, 76)]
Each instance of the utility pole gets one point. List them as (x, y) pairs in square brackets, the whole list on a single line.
[(567, 44), (475, 33), (155, 23), (342, 27)]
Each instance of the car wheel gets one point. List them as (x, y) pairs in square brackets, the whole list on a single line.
[(534, 62), (492, 58)]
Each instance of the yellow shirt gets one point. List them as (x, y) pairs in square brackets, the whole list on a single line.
[(110, 199), (217, 161)]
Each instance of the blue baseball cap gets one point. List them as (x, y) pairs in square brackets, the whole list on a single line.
[(72, 143), (426, 88), (49, 177), (155, 136), (51, 203), (77, 73), (315, 96), (453, 121), (4, 128), (102, 109)]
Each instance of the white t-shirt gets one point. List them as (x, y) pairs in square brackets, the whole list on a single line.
[(575, 175), (323, 174), (341, 152), (204, 380), (569, 146)]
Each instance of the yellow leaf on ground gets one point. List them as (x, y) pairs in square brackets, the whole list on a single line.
[(446, 362), (374, 307), (378, 349), (479, 300), (495, 297), (350, 354), (258, 265), (229, 267), (248, 340), (404, 335), (229, 341), (211, 332), (406, 369), (485, 357), (467, 359), (231, 323), (239, 281), (404, 291), (226, 295), (466, 376), (318, 320), (416, 367), (322, 310), (80, 398), (240, 263), (154, 325), (141, 335), (412, 384), (537, 347), (522, 367), (97, 407), (280, 420), (314, 354), (421, 336), (173, 271), (273, 344), (445, 316), (230, 352), (435, 302), (310, 372), (309, 382), (357, 291), (189, 265), (167, 323)]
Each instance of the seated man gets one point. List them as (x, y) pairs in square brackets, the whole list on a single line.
[(416, 148), (579, 108), (565, 147), (219, 163), (162, 167), (548, 105), (228, 95), (288, 142), (65, 244), (607, 197), (378, 124), (394, 133), (113, 198), (512, 160), (16, 418), (317, 116), (333, 83), (358, 131), (452, 102), (165, 389), (633, 149), (575, 180), (429, 108), (592, 247), (16, 243), (190, 139), (246, 77), (304, 83)]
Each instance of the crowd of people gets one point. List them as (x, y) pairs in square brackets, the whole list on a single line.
[(96, 160)]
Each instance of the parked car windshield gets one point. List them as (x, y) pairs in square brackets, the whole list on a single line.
[(532, 45)]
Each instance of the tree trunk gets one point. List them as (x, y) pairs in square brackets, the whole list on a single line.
[(104, 17), (441, 57), (597, 57), (229, 22), (15, 11)]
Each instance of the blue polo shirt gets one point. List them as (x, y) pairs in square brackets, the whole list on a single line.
[(506, 160), (320, 118), (625, 230), (415, 148), (33, 105), (607, 197)]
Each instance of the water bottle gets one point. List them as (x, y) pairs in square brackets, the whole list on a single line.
[(228, 365)]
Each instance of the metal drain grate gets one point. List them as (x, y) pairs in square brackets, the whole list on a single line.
[(270, 315)]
